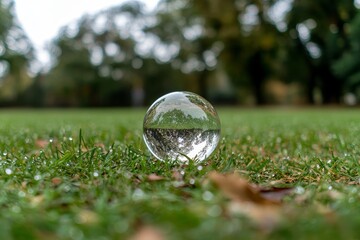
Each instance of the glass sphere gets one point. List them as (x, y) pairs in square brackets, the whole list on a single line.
[(181, 126)]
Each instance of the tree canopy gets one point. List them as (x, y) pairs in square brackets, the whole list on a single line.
[(15, 54)]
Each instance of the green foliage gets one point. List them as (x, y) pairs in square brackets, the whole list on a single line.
[(319, 28), (348, 65), (15, 53)]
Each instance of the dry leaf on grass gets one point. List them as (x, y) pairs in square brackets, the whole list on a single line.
[(56, 181), (153, 177), (100, 145), (41, 143), (275, 194), (177, 176), (264, 209), (239, 189), (148, 233)]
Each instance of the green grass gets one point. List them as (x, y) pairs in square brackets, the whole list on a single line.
[(90, 180)]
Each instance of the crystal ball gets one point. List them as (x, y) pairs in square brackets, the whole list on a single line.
[(181, 126)]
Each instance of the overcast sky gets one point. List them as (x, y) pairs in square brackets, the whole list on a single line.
[(42, 19)]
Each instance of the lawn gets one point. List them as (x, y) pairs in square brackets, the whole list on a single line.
[(86, 174)]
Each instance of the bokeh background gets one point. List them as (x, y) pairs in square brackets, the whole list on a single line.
[(232, 52)]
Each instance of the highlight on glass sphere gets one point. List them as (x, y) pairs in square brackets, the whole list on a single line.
[(181, 126)]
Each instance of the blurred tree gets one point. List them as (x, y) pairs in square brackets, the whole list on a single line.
[(348, 66), (181, 43), (318, 33), (15, 54), (125, 55), (236, 37), (107, 59), (95, 61)]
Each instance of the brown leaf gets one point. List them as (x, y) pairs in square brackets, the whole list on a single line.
[(84, 149), (275, 194), (153, 177), (148, 233), (266, 217), (41, 143), (239, 189), (177, 176), (354, 182), (100, 145), (247, 199), (56, 181)]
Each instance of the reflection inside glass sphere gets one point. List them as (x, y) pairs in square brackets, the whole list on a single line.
[(181, 126)]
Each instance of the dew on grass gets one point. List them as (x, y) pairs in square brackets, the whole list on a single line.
[(181, 126), (95, 174), (286, 158), (207, 196), (199, 168), (21, 194), (138, 194), (15, 209), (299, 190), (8, 171), (214, 211), (37, 177)]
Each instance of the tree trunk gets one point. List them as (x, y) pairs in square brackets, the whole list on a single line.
[(331, 86), (257, 76)]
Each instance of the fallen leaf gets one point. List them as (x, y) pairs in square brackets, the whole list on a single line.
[(239, 189), (84, 149), (177, 176), (264, 207), (275, 194), (148, 233), (100, 145), (56, 181), (41, 143), (357, 182), (153, 177), (266, 217)]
